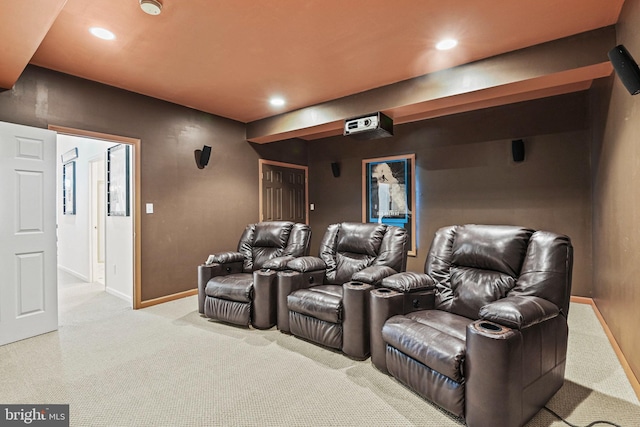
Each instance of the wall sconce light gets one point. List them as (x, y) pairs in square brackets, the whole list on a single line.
[(202, 156)]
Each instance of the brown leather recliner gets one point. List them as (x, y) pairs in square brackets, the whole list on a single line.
[(326, 299), (240, 287), (483, 333)]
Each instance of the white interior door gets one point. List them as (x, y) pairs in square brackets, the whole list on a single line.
[(28, 256)]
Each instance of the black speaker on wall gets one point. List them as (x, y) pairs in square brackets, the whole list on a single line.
[(517, 150), (335, 168), (206, 154), (202, 156), (626, 68)]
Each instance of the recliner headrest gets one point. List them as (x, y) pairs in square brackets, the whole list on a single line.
[(272, 234), (499, 248), (360, 238)]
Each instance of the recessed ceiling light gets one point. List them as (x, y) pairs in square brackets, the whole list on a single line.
[(277, 102), (102, 33), (446, 44)]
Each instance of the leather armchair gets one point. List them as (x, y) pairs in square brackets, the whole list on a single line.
[(483, 334), (239, 287), (326, 299)]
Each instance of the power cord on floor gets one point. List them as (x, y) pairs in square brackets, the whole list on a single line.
[(589, 425)]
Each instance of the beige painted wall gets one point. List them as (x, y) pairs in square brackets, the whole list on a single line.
[(616, 212)]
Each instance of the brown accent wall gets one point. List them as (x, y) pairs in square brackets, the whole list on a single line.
[(466, 174), (196, 212), (616, 212)]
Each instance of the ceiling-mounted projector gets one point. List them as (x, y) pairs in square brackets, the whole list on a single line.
[(371, 126)]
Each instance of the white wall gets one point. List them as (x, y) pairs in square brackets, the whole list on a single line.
[(119, 249), (74, 238)]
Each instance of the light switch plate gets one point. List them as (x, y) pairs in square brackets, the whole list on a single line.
[(149, 208)]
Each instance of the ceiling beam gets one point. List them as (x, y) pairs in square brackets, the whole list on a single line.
[(23, 26), (561, 63)]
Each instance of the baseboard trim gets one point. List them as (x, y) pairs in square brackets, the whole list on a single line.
[(73, 273), (616, 348), (172, 297), (119, 294), (583, 300)]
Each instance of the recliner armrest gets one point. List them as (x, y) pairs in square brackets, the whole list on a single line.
[(306, 263), (278, 263), (519, 312), (384, 303), (355, 321), (218, 264), (289, 281), (205, 273), (409, 281), (373, 275), (224, 258)]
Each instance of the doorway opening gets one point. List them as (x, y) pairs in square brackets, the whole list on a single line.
[(95, 244)]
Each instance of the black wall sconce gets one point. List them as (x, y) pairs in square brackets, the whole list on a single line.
[(202, 156)]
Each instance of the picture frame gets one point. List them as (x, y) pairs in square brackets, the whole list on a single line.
[(69, 188), (388, 193), (118, 200)]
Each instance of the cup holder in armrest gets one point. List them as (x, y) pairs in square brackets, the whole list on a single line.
[(357, 287), (383, 291), (490, 327)]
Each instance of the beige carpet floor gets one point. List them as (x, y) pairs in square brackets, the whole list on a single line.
[(167, 366)]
